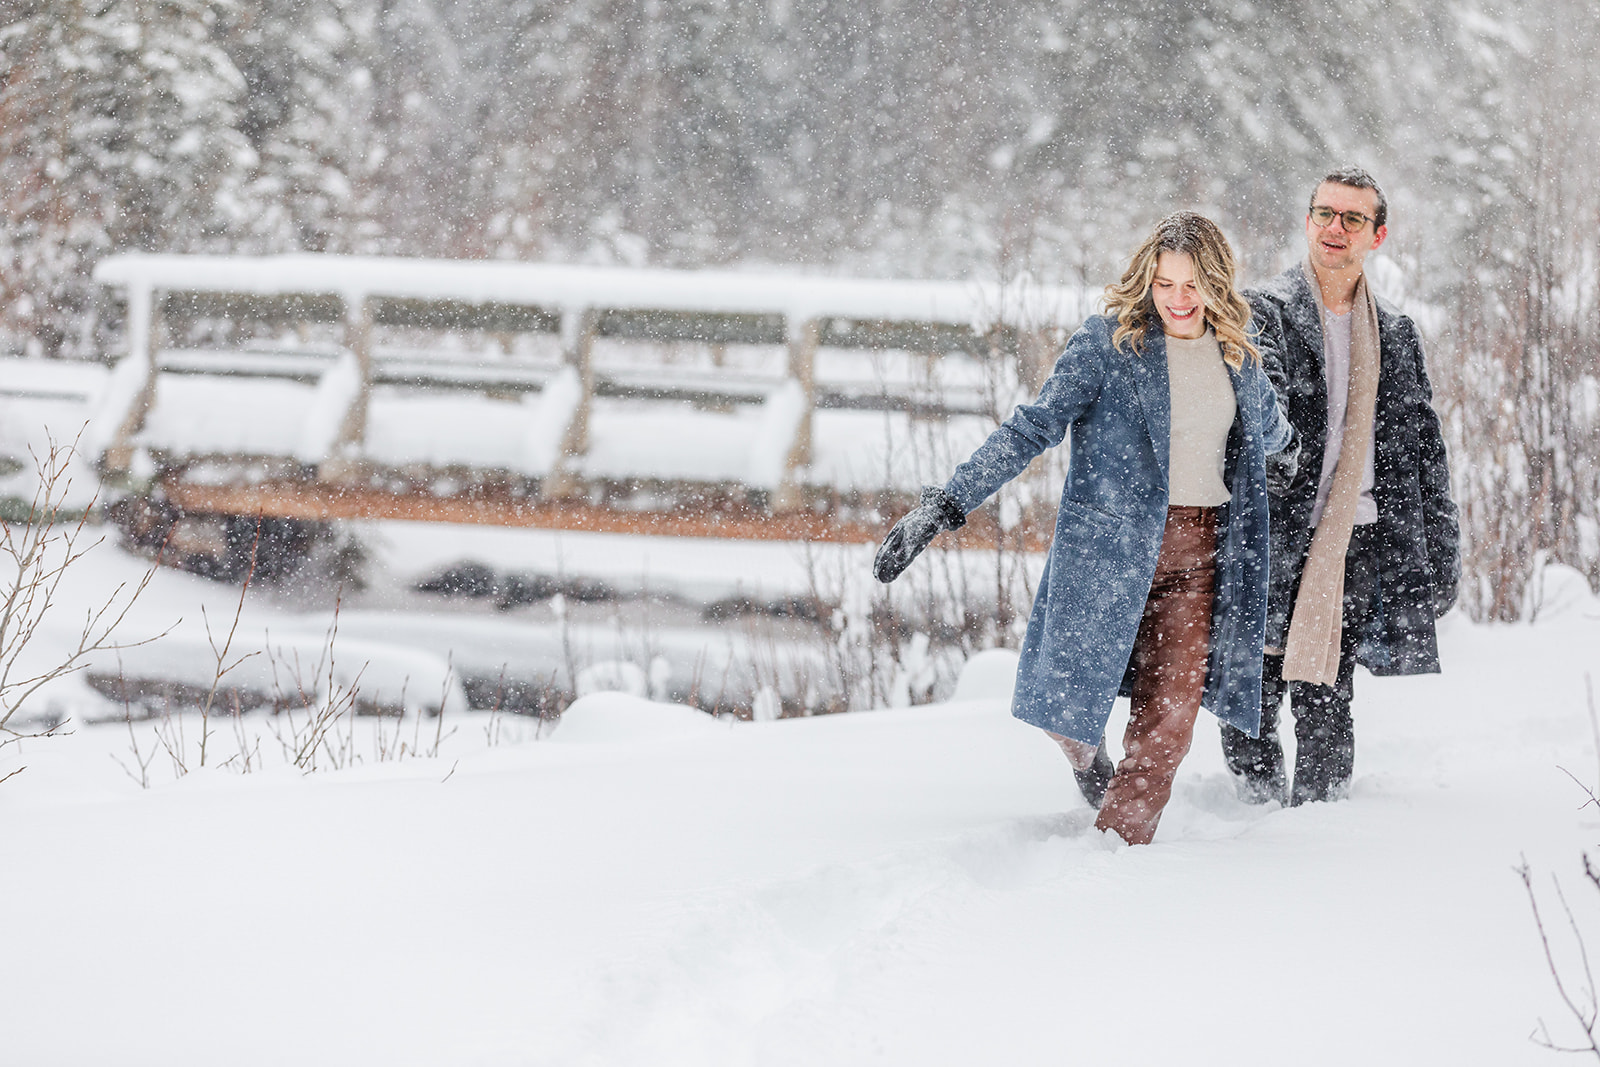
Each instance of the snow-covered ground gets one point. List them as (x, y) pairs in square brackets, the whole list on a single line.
[(648, 885)]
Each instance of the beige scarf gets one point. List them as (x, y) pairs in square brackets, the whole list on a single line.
[(1311, 654)]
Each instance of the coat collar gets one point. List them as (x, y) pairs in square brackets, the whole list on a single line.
[(1151, 382), (1303, 306)]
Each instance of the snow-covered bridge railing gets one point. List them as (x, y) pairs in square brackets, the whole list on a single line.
[(521, 393)]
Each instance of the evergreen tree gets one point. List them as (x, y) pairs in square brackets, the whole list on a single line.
[(425, 133), (304, 113), (116, 134)]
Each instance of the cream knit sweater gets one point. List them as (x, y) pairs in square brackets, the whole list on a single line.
[(1202, 415)]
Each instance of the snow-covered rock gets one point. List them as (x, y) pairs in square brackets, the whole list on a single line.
[(601, 718), (1558, 591), (990, 675), (612, 676)]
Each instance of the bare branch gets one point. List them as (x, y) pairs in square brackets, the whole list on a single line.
[(42, 549), (222, 667), (1584, 1014)]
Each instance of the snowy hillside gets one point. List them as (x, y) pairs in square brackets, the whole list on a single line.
[(649, 885)]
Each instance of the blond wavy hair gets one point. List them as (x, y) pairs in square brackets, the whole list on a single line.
[(1226, 312)]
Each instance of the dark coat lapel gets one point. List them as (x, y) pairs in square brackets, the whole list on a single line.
[(1304, 312), (1149, 369)]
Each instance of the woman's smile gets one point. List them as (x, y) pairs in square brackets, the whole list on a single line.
[(1176, 296)]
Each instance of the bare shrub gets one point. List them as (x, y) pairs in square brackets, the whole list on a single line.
[(220, 651), (905, 643), (315, 712), (1574, 984), (1520, 386), (39, 547), (141, 759), (1570, 968)]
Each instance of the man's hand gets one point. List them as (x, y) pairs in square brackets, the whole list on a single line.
[(1284, 471), (938, 511)]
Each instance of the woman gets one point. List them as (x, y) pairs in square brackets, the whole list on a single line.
[(1156, 582)]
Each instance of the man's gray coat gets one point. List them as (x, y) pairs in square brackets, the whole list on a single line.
[(1419, 562)]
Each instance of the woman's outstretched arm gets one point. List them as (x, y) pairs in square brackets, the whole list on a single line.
[(1073, 385)]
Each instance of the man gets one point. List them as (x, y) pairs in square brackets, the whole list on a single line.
[(1365, 552)]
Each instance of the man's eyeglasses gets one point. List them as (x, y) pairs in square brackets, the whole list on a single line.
[(1354, 221)]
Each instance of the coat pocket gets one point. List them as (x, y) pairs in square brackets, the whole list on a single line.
[(1079, 512)]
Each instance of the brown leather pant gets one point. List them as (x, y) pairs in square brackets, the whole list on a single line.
[(1169, 659)]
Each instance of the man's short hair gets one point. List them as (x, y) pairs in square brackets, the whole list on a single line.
[(1357, 178)]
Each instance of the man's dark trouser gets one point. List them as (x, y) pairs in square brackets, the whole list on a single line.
[(1324, 731)]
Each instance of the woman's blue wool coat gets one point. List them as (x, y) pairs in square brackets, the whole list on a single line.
[(1116, 406)]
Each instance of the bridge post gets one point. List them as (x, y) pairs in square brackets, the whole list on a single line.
[(139, 378), (803, 339), (578, 329), (344, 460)]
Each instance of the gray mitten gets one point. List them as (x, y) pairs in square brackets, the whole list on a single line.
[(938, 511)]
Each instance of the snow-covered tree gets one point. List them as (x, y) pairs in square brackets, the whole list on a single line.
[(425, 129), (116, 133), (304, 112), (1517, 165)]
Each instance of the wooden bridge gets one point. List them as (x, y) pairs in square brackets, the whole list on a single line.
[(688, 403)]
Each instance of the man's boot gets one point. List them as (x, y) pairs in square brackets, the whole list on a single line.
[(1256, 764), (1325, 751)]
